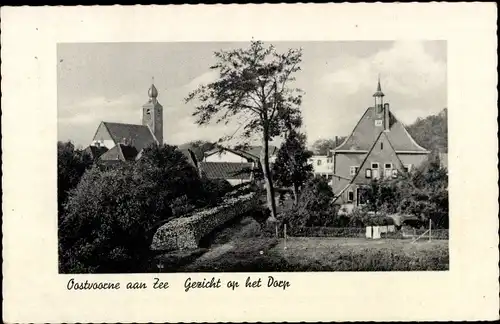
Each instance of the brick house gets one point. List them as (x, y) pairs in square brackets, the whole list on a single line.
[(378, 147)]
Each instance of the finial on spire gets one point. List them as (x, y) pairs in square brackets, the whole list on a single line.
[(152, 92), (379, 92)]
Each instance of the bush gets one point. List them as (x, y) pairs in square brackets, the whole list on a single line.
[(111, 216), (71, 165), (314, 207)]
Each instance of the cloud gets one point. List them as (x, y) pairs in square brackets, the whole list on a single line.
[(413, 80), (204, 78), (406, 68)]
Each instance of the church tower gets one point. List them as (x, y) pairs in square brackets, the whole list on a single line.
[(152, 114)]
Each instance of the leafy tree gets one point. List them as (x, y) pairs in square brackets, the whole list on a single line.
[(315, 206), (253, 84), (324, 146), (112, 215), (423, 193), (431, 132), (71, 165), (291, 168)]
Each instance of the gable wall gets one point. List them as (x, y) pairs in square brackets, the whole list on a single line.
[(380, 155), (102, 135)]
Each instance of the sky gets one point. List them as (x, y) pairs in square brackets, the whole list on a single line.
[(109, 82)]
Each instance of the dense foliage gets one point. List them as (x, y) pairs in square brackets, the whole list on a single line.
[(423, 193), (291, 168), (71, 165), (324, 146), (254, 84), (431, 132), (111, 216), (314, 207)]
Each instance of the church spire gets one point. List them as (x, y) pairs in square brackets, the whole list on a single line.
[(379, 97), (379, 92), (152, 92)]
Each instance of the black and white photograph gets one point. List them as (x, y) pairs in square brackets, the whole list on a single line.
[(254, 156), (250, 163)]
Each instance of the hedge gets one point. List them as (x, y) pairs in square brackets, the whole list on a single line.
[(186, 232), (438, 234)]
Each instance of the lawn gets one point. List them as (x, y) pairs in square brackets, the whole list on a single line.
[(242, 247)]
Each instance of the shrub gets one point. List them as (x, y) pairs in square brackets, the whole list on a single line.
[(314, 207), (71, 165), (111, 216)]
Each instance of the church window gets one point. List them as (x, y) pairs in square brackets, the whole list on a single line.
[(148, 111), (381, 145), (378, 122), (368, 173), (374, 165), (353, 170)]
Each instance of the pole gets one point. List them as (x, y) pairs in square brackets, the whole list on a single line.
[(276, 227), (430, 230), (285, 235)]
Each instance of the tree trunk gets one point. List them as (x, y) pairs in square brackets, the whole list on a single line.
[(295, 194), (268, 181)]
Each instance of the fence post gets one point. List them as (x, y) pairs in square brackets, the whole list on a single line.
[(285, 234), (430, 230)]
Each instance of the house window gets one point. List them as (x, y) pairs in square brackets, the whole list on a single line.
[(375, 174), (350, 196), (368, 173), (378, 122), (329, 160), (387, 170), (407, 168), (353, 170), (319, 162), (394, 173)]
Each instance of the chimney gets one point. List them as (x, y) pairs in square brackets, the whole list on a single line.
[(336, 141), (386, 117)]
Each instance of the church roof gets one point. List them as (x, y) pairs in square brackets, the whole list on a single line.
[(365, 133), (95, 151), (120, 152), (226, 170), (139, 136)]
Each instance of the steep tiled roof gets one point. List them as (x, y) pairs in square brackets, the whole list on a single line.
[(120, 152), (138, 136), (96, 151), (365, 133), (225, 170)]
